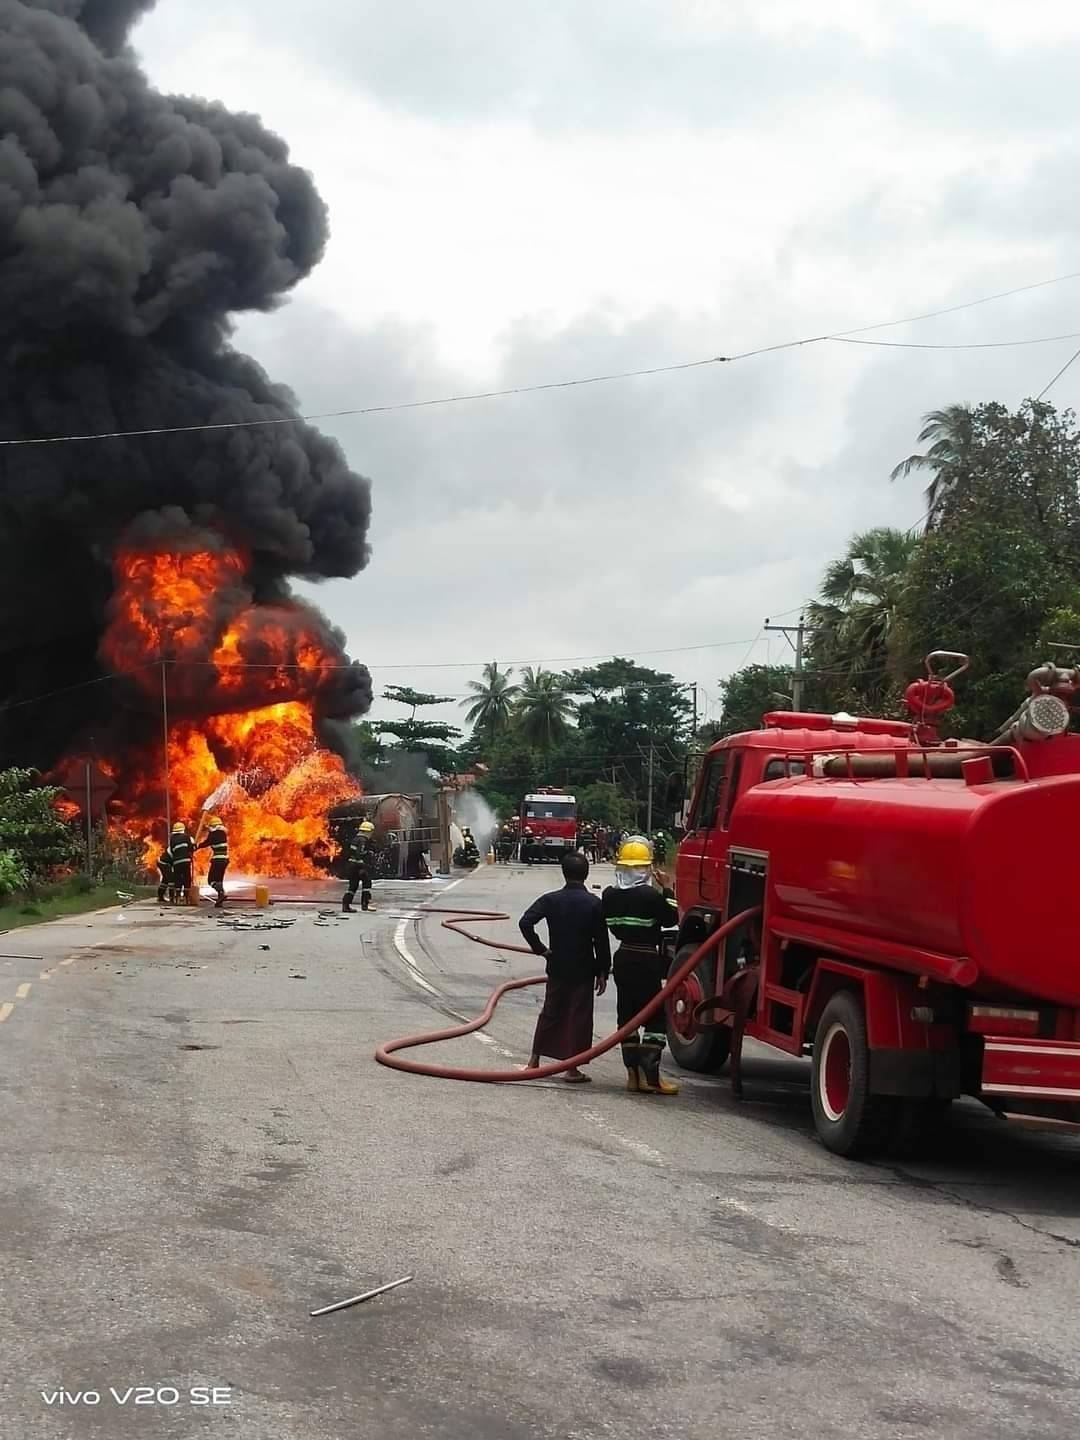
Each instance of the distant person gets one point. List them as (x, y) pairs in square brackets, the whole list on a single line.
[(505, 844), (637, 912), (217, 842), (578, 957)]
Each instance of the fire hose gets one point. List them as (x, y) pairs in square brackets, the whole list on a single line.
[(385, 1054)]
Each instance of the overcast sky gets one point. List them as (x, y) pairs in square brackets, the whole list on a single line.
[(529, 193)]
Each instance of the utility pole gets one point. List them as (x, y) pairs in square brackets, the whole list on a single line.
[(165, 731), (89, 825), (799, 631), (648, 806)]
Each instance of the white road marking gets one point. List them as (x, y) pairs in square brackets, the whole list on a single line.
[(638, 1147), (5, 1010), (23, 991), (411, 963)]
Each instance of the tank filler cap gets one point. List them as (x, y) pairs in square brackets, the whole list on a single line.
[(843, 721)]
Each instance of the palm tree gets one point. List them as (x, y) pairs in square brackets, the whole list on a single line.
[(948, 433), (860, 596), (492, 702), (544, 707)]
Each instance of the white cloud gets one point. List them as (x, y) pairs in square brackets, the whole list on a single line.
[(622, 185)]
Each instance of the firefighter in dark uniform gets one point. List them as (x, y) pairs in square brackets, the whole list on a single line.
[(165, 874), (637, 913), (506, 843), (361, 868), (180, 854), (217, 842)]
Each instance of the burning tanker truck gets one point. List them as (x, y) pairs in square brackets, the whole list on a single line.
[(157, 490), (913, 925)]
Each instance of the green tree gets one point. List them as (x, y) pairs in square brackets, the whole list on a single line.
[(750, 693), (629, 714), (31, 827), (605, 803), (853, 621), (998, 576), (949, 435), (544, 708), (491, 706), (424, 737)]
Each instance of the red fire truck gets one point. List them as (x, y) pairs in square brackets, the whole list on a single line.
[(918, 933), (548, 825)]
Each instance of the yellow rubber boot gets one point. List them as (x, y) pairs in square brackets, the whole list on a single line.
[(651, 1080)]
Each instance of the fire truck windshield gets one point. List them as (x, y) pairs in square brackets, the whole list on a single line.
[(550, 810)]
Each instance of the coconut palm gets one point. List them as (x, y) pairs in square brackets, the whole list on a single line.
[(543, 707), (492, 703), (948, 434), (860, 595)]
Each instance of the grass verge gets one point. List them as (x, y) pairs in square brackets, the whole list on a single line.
[(69, 898)]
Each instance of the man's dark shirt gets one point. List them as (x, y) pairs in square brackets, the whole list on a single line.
[(638, 915), (578, 946)]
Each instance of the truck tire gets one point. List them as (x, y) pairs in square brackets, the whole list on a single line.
[(849, 1120), (691, 1046)]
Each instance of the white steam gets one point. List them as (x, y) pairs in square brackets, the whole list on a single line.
[(471, 809)]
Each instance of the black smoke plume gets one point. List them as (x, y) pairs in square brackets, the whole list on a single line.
[(133, 225)]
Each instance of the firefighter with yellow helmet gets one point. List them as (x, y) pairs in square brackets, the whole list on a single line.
[(361, 868), (637, 911), (217, 842), (180, 853)]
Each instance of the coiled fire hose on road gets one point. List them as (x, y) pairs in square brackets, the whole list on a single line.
[(385, 1054)]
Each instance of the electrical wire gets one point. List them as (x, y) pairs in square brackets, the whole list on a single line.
[(6, 705), (1057, 377), (957, 345), (840, 335)]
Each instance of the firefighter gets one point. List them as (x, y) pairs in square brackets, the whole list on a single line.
[(588, 841), (361, 866), (527, 844), (637, 912), (660, 847), (505, 849), (217, 842), (165, 874), (180, 854)]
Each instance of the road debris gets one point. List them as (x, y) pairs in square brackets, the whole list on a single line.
[(359, 1299)]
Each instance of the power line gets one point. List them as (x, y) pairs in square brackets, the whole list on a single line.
[(965, 345), (841, 335), (1058, 376), (475, 664), (6, 705)]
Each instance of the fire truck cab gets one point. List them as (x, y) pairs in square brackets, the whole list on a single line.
[(912, 927), (548, 825)]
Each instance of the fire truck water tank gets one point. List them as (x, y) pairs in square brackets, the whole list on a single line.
[(982, 871)]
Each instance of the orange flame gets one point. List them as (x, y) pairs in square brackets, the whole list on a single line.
[(252, 673)]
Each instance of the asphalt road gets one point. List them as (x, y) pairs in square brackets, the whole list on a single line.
[(199, 1149)]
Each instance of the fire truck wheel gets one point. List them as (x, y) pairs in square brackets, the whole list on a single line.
[(691, 1046), (848, 1118)]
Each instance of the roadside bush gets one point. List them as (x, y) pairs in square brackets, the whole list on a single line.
[(13, 873)]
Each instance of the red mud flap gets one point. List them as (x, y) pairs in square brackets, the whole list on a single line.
[(1021, 1069)]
